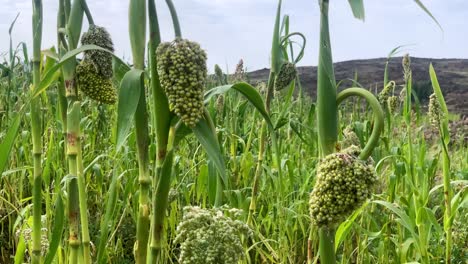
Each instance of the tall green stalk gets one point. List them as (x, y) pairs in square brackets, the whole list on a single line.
[(444, 133), (36, 128), (137, 30), (74, 23), (327, 118), (162, 119)]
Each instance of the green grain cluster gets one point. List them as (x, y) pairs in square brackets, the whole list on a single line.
[(286, 75), (182, 71), (93, 84), (343, 183), (210, 237), (435, 111), (100, 59)]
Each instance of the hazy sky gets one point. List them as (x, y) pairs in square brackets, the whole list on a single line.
[(232, 29)]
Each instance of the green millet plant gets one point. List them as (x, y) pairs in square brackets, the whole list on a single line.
[(344, 182), (286, 75), (100, 59), (93, 84), (210, 237), (182, 72)]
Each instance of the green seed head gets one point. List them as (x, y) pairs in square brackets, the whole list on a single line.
[(285, 76), (219, 73), (392, 103), (350, 137), (93, 84), (435, 112), (182, 72), (101, 60), (386, 92), (406, 67), (343, 183)]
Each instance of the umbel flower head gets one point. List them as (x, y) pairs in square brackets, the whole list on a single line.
[(210, 237), (182, 72), (343, 183), (100, 59), (93, 84), (286, 75)]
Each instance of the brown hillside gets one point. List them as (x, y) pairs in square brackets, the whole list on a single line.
[(452, 75)]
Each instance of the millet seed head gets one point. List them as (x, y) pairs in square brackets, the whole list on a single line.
[(93, 84), (435, 111), (406, 67), (101, 60), (182, 73), (392, 104), (285, 76), (343, 183)]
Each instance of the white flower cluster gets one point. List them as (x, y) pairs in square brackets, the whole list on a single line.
[(210, 237)]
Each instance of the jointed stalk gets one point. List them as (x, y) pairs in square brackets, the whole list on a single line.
[(137, 28), (327, 117), (36, 133)]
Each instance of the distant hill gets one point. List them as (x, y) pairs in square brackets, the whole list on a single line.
[(452, 75)]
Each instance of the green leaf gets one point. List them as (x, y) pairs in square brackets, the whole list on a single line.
[(20, 250), (120, 69), (57, 229), (249, 92), (129, 95), (440, 98), (107, 222), (358, 9), (421, 5), (345, 227), (49, 77), (405, 219), (209, 141), (8, 141)]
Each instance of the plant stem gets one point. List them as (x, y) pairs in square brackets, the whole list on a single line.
[(137, 28), (327, 117), (73, 194), (175, 19), (36, 133), (327, 245)]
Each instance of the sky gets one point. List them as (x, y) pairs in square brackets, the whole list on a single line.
[(230, 30)]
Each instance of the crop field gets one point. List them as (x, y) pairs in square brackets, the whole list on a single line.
[(159, 159)]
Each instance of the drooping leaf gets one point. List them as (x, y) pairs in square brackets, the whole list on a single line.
[(358, 9), (129, 95), (423, 7), (209, 141), (249, 92)]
